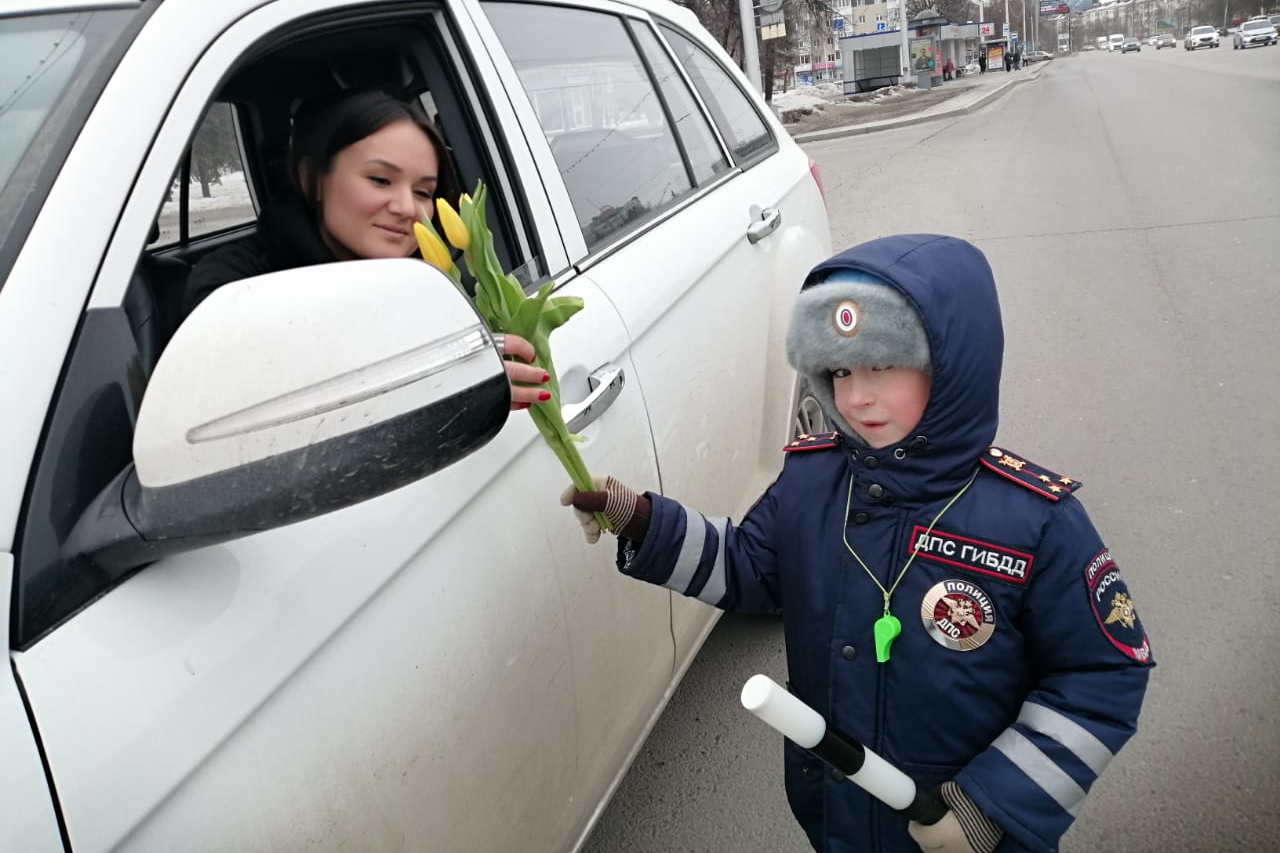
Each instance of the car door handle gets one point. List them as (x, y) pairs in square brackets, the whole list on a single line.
[(764, 223), (605, 384)]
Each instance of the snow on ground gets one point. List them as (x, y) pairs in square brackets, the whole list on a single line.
[(807, 96), (801, 98), (231, 191)]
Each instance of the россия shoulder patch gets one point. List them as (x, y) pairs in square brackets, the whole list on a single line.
[(812, 442), (1042, 481), (1114, 609)]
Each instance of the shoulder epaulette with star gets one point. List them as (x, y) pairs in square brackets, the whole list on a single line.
[(1042, 481), (812, 442)]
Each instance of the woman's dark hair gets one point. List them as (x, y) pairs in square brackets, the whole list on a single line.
[(322, 127)]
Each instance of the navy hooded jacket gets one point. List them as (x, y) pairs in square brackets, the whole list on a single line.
[(1021, 666)]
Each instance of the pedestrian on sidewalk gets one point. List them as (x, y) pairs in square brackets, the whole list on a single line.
[(948, 70), (982, 61), (947, 601), (1008, 62)]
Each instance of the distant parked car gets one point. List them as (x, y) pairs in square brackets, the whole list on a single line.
[(1130, 45), (1165, 40), (1036, 56), (1253, 32), (1200, 37)]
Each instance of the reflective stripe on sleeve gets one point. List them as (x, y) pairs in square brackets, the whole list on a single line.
[(1051, 778), (713, 590), (1069, 733), (695, 534)]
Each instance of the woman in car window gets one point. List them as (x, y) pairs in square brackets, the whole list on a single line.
[(363, 166)]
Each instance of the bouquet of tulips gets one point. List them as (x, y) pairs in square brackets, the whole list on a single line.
[(502, 304)]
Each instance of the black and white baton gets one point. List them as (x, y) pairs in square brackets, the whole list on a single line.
[(806, 728)]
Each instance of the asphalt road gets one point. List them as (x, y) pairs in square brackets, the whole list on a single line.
[(1130, 206)]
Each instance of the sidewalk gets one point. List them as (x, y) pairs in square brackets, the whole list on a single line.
[(966, 95)]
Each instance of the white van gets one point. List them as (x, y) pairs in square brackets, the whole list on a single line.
[(1114, 41)]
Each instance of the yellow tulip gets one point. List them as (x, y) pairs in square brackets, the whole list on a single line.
[(454, 229), (433, 251)]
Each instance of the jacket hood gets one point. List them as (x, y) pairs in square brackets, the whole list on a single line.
[(950, 285)]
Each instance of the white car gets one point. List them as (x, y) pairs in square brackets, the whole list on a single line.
[(1197, 37), (242, 616), (1253, 32)]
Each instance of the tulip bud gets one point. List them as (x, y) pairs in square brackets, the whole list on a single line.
[(433, 251), (457, 233)]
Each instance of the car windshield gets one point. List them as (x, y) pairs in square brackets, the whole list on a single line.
[(1257, 25), (1200, 31), (42, 59)]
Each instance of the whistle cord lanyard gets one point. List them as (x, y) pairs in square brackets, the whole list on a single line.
[(887, 627)]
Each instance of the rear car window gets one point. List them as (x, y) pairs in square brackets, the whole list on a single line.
[(218, 195), (609, 131), (744, 130)]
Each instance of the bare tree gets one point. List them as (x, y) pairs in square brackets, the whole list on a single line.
[(955, 11), (214, 151), (722, 19)]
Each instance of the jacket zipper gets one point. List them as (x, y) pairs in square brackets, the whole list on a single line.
[(881, 689)]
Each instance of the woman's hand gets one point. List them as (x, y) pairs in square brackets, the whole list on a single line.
[(526, 378)]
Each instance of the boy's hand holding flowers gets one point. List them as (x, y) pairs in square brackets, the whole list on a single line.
[(628, 513)]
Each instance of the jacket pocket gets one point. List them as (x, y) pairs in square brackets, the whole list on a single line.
[(803, 781)]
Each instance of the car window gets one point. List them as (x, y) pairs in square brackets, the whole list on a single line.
[(608, 129), (46, 63), (705, 154), (745, 131), (217, 190)]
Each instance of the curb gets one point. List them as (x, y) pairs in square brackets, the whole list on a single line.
[(920, 118)]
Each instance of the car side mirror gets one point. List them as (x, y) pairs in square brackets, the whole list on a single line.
[(294, 394)]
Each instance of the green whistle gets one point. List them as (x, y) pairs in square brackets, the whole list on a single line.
[(887, 629)]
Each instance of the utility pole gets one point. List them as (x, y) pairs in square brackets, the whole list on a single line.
[(904, 49), (750, 50), (1008, 27)]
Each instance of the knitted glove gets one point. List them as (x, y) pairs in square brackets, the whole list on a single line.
[(627, 512), (964, 829)]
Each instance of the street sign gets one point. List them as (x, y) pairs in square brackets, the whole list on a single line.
[(1004, 30), (881, 26)]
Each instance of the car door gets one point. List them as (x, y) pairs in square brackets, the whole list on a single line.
[(408, 673), (698, 218), (27, 818)]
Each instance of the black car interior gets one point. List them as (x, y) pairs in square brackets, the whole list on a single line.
[(405, 57)]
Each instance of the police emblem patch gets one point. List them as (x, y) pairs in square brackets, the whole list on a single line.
[(1114, 609), (848, 316), (958, 615)]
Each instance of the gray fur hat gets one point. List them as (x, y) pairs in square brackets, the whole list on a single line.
[(848, 320)]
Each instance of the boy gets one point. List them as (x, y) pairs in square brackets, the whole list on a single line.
[(945, 602)]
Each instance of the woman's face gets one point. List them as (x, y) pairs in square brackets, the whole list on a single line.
[(371, 195)]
